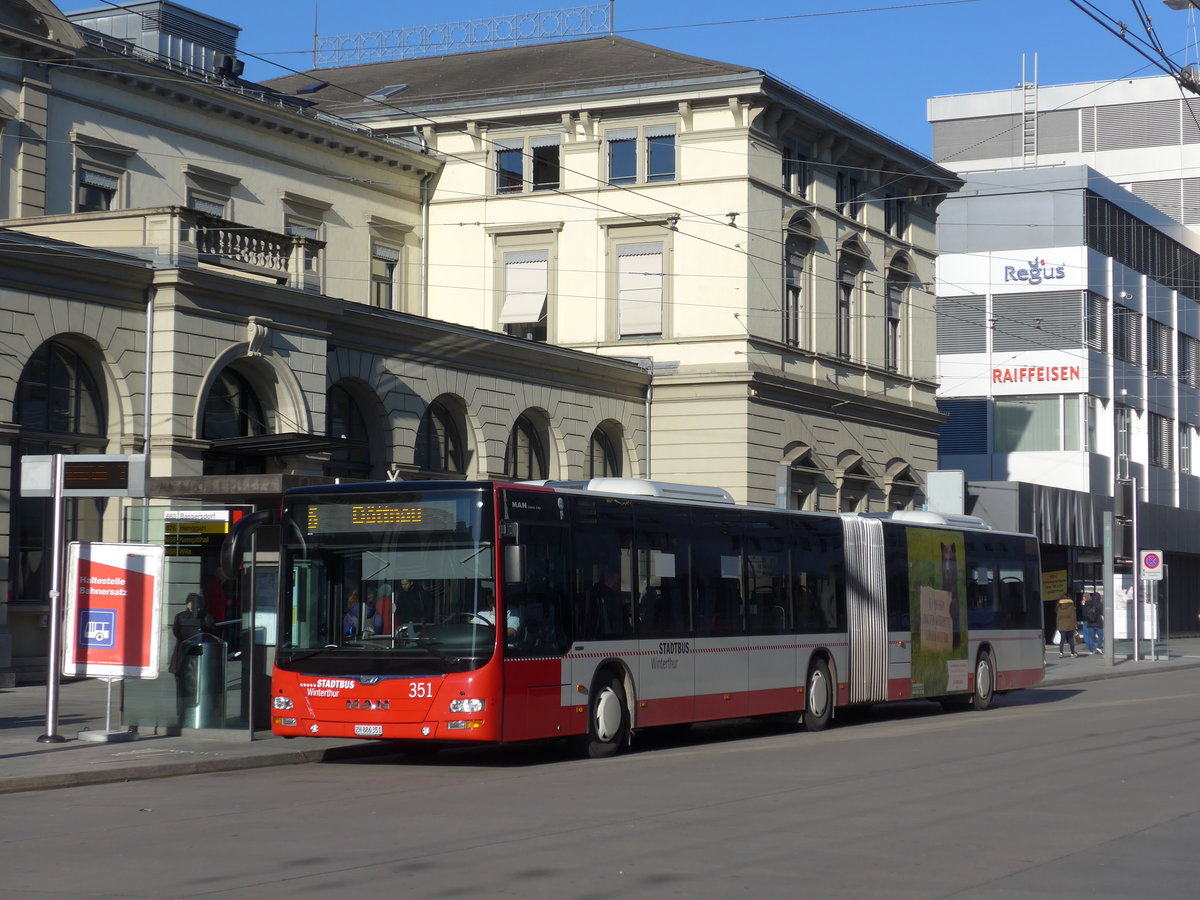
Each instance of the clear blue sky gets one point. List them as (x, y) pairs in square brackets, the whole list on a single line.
[(875, 60)]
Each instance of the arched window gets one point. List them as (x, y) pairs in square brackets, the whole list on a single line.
[(345, 422), (603, 459), (796, 254), (803, 478), (901, 488), (59, 409), (57, 394), (846, 289), (855, 485), (232, 410), (439, 444), (525, 456)]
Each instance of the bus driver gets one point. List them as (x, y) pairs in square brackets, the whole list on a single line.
[(488, 615)]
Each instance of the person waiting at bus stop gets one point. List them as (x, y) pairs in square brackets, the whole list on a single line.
[(1093, 622), (190, 626), (1067, 623)]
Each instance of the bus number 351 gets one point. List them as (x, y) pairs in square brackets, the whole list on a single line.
[(420, 689)]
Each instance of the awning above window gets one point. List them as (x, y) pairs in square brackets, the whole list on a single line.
[(640, 288), (525, 287), (520, 307), (288, 444)]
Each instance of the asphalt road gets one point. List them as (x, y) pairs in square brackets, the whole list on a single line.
[(1082, 791)]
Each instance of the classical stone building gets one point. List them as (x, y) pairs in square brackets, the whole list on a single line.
[(767, 259), (266, 266)]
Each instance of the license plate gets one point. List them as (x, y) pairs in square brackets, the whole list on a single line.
[(368, 730)]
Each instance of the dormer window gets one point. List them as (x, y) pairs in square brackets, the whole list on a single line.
[(384, 93)]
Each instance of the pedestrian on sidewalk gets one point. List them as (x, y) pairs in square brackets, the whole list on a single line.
[(190, 627), (1067, 623), (1093, 623)]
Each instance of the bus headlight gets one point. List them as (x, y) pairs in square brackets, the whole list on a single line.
[(470, 705), (281, 702)]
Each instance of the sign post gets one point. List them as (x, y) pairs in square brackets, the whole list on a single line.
[(57, 477), (1150, 563), (51, 735), (113, 617)]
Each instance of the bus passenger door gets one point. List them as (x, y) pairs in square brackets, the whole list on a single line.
[(718, 620), (666, 662), (536, 610)]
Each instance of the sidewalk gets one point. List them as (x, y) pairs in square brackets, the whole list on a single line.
[(1183, 653), (26, 765)]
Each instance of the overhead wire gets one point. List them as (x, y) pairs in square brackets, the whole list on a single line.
[(702, 217)]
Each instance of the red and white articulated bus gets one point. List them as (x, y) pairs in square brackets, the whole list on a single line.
[(626, 605)]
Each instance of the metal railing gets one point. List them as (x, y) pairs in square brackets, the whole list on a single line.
[(458, 37)]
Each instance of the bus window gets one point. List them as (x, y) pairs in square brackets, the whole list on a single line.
[(662, 574), (769, 605), (716, 577), (538, 606), (981, 595), (818, 579), (602, 577), (899, 609)]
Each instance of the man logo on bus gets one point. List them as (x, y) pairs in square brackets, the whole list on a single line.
[(368, 704)]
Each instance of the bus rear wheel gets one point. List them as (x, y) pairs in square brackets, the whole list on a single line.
[(608, 719), (818, 697), (985, 681)]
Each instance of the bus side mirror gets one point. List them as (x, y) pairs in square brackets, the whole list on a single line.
[(234, 545), (514, 563)]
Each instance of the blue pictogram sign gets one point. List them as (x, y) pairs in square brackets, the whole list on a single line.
[(99, 629)]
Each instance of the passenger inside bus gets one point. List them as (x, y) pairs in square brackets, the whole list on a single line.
[(607, 612), (412, 603), (360, 619), (384, 609)]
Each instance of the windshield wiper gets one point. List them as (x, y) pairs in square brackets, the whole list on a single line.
[(298, 657), (484, 545), (427, 644)]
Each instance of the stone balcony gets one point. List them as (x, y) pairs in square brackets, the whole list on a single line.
[(180, 237)]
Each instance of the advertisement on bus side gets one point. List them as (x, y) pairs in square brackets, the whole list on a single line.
[(938, 611)]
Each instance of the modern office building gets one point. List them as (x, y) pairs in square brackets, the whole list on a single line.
[(1068, 319), (1141, 133)]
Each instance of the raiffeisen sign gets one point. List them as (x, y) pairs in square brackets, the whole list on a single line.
[(1013, 374), (1035, 374)]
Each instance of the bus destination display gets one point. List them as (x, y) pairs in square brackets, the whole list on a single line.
[(423, 515)]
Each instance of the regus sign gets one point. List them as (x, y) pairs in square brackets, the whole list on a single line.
[(1034, 272)]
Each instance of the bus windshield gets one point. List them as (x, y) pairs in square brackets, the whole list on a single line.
[(387, 583)]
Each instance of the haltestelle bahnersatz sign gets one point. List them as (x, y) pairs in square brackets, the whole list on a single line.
[(113, 615)]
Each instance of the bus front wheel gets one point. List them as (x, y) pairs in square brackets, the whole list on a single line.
[(818, 697), (608, 719), (985, 681)]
